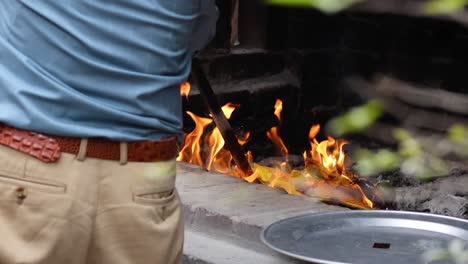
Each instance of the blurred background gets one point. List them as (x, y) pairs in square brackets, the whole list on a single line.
[(389, 76)]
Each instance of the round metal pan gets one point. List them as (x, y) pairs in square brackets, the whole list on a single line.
[(364, 237)]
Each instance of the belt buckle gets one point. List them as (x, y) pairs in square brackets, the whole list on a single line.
[(34, 144)]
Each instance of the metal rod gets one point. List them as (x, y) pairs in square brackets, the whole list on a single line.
[(219, 118)]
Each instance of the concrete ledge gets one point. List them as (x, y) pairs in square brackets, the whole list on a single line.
[(225, 215), (202, 249)]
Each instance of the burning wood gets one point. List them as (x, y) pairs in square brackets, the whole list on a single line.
[(324, 174)]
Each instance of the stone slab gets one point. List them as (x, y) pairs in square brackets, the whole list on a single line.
[(202, 249), (232, 211)]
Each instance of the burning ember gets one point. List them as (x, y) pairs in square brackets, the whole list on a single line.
[(324, 174)]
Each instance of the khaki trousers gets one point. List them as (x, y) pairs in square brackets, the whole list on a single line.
[(88, 211)]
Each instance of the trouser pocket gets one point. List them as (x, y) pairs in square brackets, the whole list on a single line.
[(35, 224), (164, 203), (28, 184), (139, 218)]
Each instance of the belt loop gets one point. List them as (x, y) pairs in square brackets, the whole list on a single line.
[(123, 153), (83, 149)]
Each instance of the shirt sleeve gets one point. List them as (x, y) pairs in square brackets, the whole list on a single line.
[(205, 25)]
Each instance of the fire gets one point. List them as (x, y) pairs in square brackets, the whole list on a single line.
[(324, 174), (328, 160), (204, 147), (185, 89), (273, 134), (192, 142)]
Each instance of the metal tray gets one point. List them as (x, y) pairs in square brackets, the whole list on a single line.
[(362, 237)]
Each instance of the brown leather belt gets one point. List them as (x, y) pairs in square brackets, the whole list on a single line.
[(48, 148)]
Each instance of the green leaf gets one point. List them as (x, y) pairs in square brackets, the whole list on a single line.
[(455, 253), (356, 120), (370, 163), (333, 6), (435, 255), (301, 3), (327, 6), (458, 134), (425, 167), (440, 7), (401, 134), (408, 146), (456, 246)]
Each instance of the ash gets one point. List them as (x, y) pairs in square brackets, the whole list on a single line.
[(446, 196)]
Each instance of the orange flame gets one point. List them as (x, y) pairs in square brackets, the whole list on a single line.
[(324, 174), (205, 148), (228, 109), (328, 158), (273, 134), (185, 89), (191, 150), (278, 109), (220, 159)]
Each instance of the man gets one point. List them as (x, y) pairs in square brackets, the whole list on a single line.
[(89, 116)]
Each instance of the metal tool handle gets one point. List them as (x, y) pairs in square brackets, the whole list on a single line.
[(222, 123)]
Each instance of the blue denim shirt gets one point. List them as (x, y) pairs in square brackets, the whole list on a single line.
[(99, 68)]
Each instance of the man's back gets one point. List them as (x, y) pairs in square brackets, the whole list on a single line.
[(90, 68), (77, 71)]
